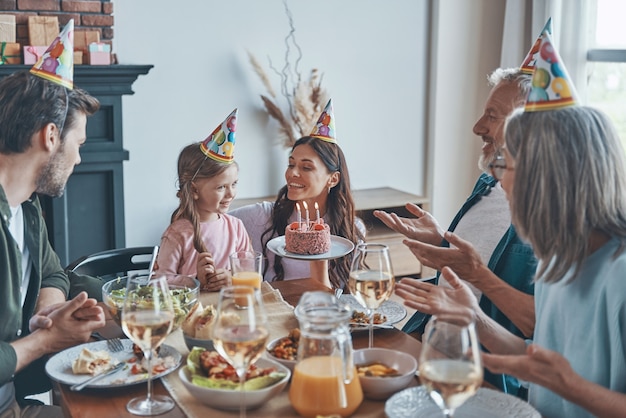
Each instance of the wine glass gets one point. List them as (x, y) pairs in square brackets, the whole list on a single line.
[(240, 331), (450, 365), (371, 279), (147, 319)]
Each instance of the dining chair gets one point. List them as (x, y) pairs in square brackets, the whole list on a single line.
[(112, 263)]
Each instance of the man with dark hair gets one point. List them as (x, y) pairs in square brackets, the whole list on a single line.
[(42, 126)]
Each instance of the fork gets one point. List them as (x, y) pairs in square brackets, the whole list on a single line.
[(115, 344)]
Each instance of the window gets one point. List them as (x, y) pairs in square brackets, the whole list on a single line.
[(607, 59)]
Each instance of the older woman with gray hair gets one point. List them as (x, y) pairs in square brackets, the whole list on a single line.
[(565, 174)]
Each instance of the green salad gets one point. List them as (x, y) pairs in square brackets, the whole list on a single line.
[(210, 370), (183, 299)]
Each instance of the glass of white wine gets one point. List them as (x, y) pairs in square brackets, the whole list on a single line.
[(147, 319), (240, 331), (371, 279), (450, 365)]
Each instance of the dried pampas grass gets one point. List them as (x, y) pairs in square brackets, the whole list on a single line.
[(305, 99)]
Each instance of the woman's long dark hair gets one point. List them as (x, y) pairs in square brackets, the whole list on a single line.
[(339, 216)]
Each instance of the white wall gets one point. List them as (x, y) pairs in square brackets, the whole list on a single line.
[(388, 95), (467, 39), (373, 55)]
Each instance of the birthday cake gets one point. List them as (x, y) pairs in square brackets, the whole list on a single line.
[(307, 238)]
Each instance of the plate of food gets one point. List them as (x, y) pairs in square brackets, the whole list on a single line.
[(79, 363), (386, 315), (339, 247), (285, 349), (213, 381), (486, 403)]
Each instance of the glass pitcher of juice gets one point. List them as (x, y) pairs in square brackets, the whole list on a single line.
[(324, 381)]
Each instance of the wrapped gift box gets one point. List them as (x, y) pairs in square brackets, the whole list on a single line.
[(99, 53), (42, 30), (7, 28), (78, 57), (82, 39), (99, 47), (10, 53), (32, 53), (99, 58)]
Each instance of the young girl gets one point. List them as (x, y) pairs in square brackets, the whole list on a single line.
[(201, 235), (317, 173)]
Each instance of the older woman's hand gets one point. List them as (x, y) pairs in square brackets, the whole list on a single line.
[(553, 371), (431, 299), (538, 365), (424, 227)]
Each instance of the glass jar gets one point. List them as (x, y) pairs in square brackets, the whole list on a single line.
[(325, 381)]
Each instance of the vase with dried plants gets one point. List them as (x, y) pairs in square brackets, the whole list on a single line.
[(305, 97)]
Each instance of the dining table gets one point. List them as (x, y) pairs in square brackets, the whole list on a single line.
[(111, 402)]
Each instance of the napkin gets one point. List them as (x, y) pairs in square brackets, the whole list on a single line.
[(281, 320)]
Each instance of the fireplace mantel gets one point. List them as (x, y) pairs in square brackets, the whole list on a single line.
[(89, 217)]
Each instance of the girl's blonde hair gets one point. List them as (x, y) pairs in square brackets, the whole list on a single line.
[(193, 164)]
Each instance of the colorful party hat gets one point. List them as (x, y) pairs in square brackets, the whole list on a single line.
[(57, 63), (220, 145), (551, 86), (324, 128), (528, 65)]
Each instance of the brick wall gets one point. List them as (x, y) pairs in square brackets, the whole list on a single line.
[(87, 14)]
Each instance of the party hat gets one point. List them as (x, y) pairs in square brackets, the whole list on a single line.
[(324, 128), (57, 63), (551, 85), (220, 145), (528, 65)]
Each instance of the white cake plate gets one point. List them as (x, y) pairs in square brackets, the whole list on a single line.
[(339, 247)]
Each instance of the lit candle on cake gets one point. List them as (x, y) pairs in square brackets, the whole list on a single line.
[(299, 215), (306, 214), (317, 213)]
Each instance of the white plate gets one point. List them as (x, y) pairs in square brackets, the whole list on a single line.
[(59, 367), (392, 310), (339, 247), (487, 403), (229, 399)]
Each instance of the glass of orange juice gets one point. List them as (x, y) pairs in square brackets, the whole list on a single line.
[(246, 268)]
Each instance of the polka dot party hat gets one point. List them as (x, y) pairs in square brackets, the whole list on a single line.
[(528, 65), (551, 85), (57, 63), (220, 145), (324, 128)]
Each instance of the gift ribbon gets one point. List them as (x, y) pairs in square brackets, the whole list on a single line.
[(98, 47), (4, 58), (33, 50)]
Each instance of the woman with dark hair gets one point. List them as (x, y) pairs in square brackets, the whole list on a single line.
[(317, 173)]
